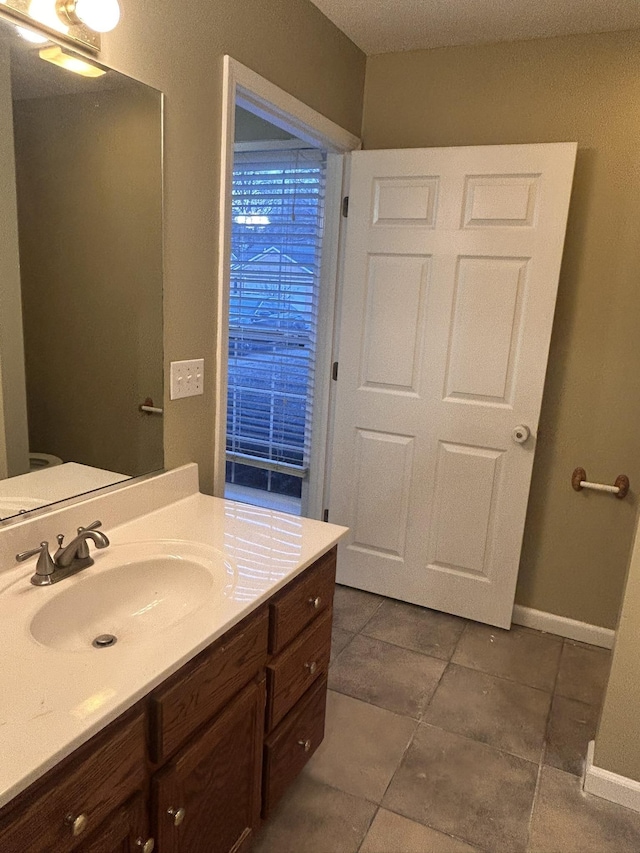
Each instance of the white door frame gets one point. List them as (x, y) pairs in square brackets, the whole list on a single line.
[(243, 87)]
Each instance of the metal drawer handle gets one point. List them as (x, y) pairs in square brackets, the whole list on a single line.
[(315, 602), (148, 846), (311, 667), (177, 815), (78, 824), (305, 744)]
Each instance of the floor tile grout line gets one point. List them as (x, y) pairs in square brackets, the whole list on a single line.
[(543, 753), (536, 791), (481, 742), (408, 648), (366, 832), (502, 678), (380, 603), (472, 844), (404, 752)]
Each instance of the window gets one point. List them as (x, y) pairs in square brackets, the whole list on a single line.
[(277, 209)]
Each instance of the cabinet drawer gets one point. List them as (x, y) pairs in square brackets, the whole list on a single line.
[(92, 783), (292, 744), (297, 605), (201, 689), (292, 672)]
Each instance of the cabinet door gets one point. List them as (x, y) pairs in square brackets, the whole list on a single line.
[(207, 799), (125, 831)]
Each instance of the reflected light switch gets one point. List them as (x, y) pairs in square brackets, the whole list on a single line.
[(187, 378)]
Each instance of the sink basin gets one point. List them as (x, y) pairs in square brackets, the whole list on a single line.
[(133, 592)]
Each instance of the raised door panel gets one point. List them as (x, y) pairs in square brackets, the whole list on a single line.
[(216, 781), (485, 330)]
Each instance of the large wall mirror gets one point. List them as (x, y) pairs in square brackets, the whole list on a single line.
[(80, 277)]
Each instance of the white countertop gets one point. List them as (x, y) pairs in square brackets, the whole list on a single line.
[(38, 488), (52, 700)]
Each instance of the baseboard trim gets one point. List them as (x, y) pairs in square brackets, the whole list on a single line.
[(563, 626), (610, 786)]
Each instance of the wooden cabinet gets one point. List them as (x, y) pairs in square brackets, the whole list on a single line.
[(76, 797), (207, 799), (191, 768), (125, 831)]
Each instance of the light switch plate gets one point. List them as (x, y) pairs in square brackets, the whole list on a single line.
[(187, 378)]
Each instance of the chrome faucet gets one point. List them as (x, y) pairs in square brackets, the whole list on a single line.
[(67, 560)]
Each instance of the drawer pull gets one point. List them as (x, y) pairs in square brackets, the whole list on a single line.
[(305, 744), (315, 602), (78, 823), (147, 846), (177, 815), (312, 667)]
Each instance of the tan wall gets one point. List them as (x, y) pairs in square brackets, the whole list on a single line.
[(14, 448), (89, 165), (618, 738), (584, 89), (178, 48)]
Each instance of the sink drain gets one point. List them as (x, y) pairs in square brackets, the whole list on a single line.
[(103, 641)]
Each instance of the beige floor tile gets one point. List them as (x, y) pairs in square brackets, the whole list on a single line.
[(566, 820), (391, 833), (416, 628), (571, 726), (583, 673), (314, 818), (352, 608), (504, 714), (521, 655), (386, 675), (466, 789), (362, 748), (339, 639)]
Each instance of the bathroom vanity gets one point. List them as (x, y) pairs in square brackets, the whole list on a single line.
[(183, 735)]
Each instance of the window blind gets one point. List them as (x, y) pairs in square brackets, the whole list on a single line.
[(278, 218)]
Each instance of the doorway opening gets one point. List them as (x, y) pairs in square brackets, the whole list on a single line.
[(282, 174), (277, 227)]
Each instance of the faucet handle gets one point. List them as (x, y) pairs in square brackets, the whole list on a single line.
[(25, 555), (45, 566), (93, 526)]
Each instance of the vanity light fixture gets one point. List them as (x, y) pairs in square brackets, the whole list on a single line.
[(77, 21), (44, 12), (58, 56), (101, 16)]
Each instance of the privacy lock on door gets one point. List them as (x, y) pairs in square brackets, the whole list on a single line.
[(520, 433)]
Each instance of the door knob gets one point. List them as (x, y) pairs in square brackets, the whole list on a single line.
[(520, 434)]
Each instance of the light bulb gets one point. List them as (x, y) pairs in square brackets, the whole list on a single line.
[(99, 15), (45, 12)]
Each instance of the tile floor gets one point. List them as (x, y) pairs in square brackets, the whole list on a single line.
[(446, 736)]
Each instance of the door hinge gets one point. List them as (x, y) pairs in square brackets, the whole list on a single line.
[(334, 371), (325, 515), (345, 206)]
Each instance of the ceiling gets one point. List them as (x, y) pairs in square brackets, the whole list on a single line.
[(387, 26)]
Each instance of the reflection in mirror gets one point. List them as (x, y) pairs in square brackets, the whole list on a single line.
[(80, 278)]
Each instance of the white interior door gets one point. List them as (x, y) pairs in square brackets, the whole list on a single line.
[(451, 272)]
